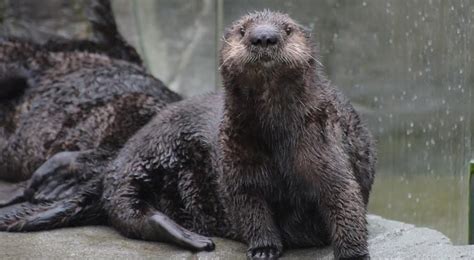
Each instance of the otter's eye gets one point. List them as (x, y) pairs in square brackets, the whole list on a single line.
[(242, 31), (288, 30)]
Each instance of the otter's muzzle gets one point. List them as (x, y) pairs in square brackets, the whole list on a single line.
[(264, 36)]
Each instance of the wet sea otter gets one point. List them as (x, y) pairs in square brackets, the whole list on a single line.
[(278, 160), (71, 96), (66, 106)]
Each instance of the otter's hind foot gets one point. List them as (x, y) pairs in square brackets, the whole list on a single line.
[(80, 207), (170, 231), (59, 194), (27, 216)]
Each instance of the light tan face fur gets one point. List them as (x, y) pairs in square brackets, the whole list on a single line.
[(293, 49)]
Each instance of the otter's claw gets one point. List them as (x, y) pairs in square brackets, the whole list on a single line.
[(266, 253)]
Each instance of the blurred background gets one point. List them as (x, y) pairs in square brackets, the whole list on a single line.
[(407, 66)]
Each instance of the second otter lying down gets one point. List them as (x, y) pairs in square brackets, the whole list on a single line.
[(278, 160)]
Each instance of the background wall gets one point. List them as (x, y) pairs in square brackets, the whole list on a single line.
[(406, 66)]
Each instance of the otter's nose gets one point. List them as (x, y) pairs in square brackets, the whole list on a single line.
[(264, 36)]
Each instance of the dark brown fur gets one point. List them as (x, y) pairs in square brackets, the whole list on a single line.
[(65, 109), (297, 162), (71, 96), (279, 160)]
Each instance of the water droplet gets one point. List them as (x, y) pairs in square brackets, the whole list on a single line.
[(364, 3), (409, 195)]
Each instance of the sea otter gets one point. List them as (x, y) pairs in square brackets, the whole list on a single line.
[(279, 160), (68, 106), (72, 96)]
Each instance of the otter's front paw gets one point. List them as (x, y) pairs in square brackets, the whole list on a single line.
[(266, 253)]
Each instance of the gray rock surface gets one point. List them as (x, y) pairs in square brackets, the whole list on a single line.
[(388, 240)]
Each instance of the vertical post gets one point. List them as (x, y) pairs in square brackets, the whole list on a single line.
[(471, 203), (219, 32)]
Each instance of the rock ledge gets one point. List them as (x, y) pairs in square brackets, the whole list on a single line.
[(388, 240)]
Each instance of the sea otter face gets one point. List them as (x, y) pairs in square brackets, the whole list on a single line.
[(263, 40)]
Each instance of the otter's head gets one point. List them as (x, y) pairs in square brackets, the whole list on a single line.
[(263, 41)]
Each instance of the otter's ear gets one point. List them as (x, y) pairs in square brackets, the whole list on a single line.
[(306, 31), (228, 31)]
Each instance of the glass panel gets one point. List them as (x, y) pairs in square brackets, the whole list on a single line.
[(177, 40)]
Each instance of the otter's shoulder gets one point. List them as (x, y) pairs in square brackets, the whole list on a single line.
[(343, 114), (196, 115), (177, 127), (334, 107), (203, 111)]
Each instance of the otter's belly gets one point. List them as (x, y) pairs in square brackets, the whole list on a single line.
[(301, 226)]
